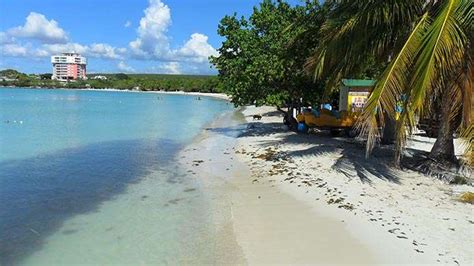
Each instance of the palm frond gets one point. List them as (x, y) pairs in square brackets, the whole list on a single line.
[(357, 30), (441, 49), (390, 87), (461, 89), (440, 52)]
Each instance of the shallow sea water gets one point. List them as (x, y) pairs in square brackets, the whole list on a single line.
[(90, 177)]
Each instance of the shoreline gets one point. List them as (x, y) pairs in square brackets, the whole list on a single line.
[(256, 223), (215, 95), (280, 197)]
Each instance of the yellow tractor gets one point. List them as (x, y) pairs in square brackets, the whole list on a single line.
[(352, 98)]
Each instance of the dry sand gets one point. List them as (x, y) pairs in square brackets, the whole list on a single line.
[(283, 198)]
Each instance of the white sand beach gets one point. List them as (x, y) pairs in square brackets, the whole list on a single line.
[(284, 198), (221, 96)]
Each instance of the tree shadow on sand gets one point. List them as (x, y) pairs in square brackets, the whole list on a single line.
[(350, 155), (250, 129), (273, 113), (256, 129)]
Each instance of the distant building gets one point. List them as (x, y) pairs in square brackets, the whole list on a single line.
[(3, 78), (99, 77), (354, 94), (68, 66)]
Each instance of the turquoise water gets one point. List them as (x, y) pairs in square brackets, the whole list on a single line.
[(90, 177)]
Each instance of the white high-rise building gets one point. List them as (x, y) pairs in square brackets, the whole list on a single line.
[(69, 66)]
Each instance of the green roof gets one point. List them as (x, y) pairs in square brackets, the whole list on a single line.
[(358, 82)]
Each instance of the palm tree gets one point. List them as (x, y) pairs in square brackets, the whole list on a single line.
[(428, 46)]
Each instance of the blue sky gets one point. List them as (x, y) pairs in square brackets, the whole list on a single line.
[(143, 36)]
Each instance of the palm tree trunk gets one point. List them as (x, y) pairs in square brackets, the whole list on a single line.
[(389, 131), (443, 148)]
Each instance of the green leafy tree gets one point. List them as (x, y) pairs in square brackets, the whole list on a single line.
[(12, 74), (260, 62), (46, 76), (121, 76)]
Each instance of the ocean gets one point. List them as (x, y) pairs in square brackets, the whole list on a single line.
[(91, 177)]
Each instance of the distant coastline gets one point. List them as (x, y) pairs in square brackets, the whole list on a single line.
[(216, 95), (119, 81)]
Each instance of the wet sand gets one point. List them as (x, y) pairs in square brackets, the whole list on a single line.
[(258, 223)]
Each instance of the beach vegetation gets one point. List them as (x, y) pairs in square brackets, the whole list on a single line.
[(121, 76), (426, 49), (144, 82), (467, 197), (420, 52), (11, 74), (261, 61)]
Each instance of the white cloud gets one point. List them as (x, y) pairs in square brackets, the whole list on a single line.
[(5, 38), (37, 26), (171, 68), (153, 43), (40, 37), (175, 67), (12, 49), (197, 48), (40, 53), (122, 66), (104, 51), (121, 50), (152, 40), (54, 40), (97, 50), (58, 48)]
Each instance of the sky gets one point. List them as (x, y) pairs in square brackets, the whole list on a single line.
[(130, 36)]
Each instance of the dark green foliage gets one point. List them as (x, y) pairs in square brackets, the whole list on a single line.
[(121, 76), (459, 180), (12, 74), (261, 60), (46, 76), (146, 82)]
